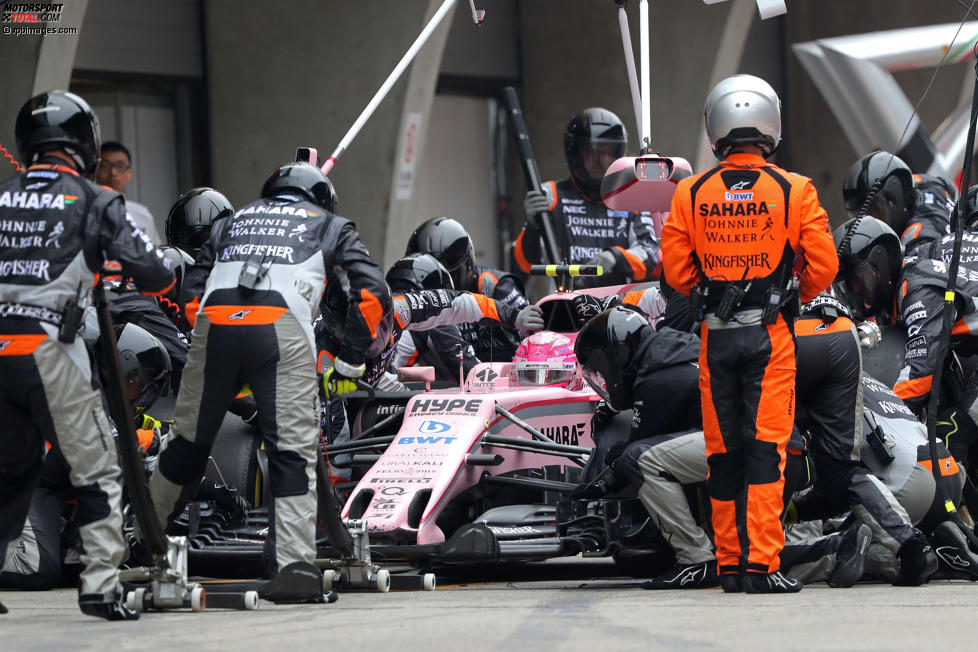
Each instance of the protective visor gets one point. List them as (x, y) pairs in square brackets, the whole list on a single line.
[(597, 383), (857, 288)]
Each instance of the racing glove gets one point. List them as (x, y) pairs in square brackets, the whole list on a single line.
[(337, 383), (175, 315), (534, 203), (529, 319), (585, 307), (603, 414)]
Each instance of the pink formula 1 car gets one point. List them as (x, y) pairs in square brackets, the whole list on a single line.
[(482, 472)]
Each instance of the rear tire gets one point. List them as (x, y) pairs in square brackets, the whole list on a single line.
[(234, 460)]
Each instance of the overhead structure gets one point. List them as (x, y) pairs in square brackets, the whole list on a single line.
[(855, 76)]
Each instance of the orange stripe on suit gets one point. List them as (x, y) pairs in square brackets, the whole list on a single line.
[(20, 344), (244, 315)]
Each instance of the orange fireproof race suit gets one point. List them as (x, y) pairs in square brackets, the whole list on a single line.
[(734, 232)]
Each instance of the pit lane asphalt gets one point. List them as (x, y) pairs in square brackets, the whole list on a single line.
[(556, 606)]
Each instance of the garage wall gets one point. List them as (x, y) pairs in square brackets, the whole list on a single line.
[(157, 37)]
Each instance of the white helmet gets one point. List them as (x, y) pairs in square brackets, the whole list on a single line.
[(743, 109)]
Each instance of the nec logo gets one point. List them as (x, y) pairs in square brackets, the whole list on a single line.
[(426, 440), (487, 375), (738, 196)]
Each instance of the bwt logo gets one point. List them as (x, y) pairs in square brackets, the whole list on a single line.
[(426, 440), (738, 196), (433, 427)]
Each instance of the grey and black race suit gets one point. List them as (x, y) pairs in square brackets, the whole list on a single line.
[(56, 231), (493, 343), (586, 227), (265, 268), (894, 449), (830, 408), (920, 306), (930, 217)]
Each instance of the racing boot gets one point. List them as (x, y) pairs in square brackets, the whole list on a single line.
[(917, 562), (732, 583), (297, 583), (850, 558), (686, 576), (95, 604), (776, 582), (954, 555)]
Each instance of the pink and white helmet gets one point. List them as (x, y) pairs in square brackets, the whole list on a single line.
[(546, 358)]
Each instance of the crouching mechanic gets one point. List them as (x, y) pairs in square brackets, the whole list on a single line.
[(830, 409), (47, 391), (633, 366), (880, 282), (894, 449), (258, 282)]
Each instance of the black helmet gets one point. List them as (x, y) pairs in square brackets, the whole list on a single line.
[(606, 348), (890, 182), (417, 272), (304, 181), (449, 242), (145, 365), (334, 306), (189, 222), (870, 258), (585, 132), (58, 120), (971, 221), (180, 262)]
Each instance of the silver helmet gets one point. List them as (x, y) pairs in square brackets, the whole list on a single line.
[(743, 109)]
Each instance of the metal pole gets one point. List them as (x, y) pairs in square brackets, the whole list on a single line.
[(643, 12), (387, 85), (626, 43)]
